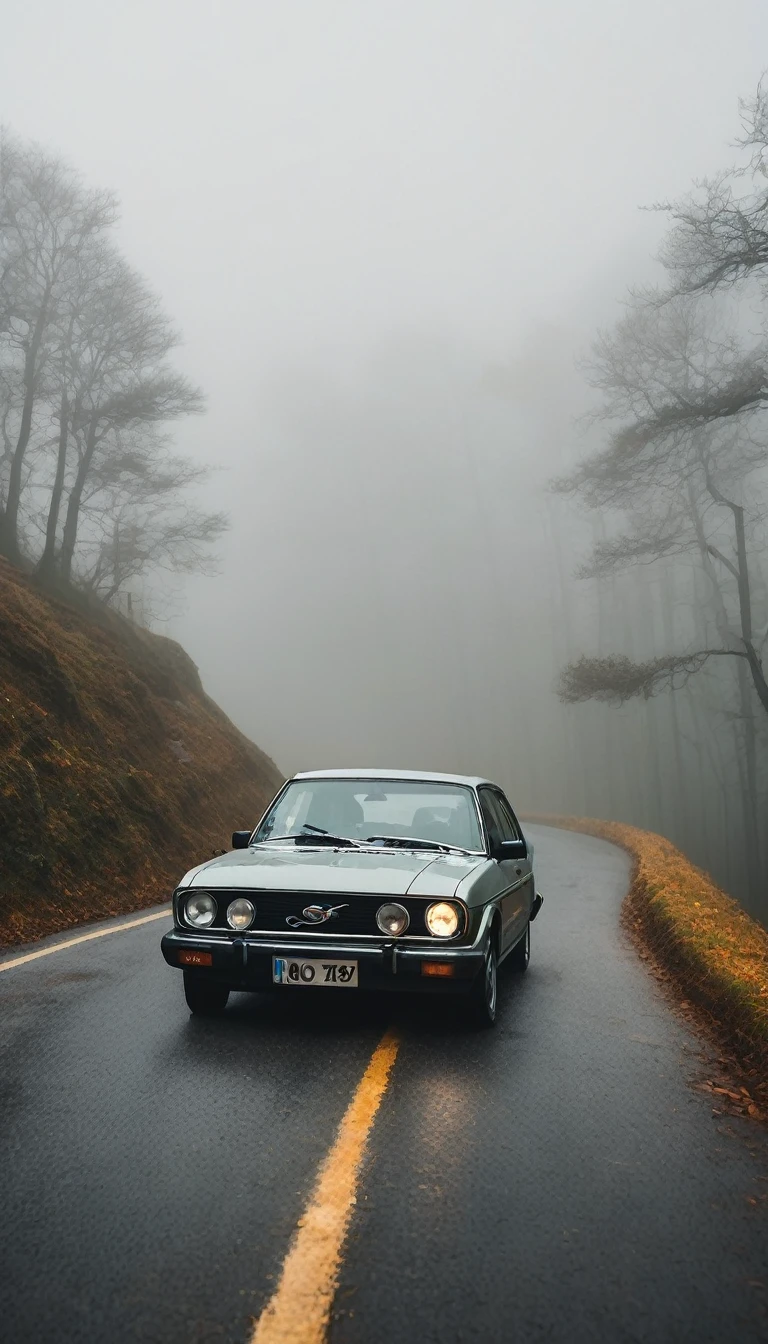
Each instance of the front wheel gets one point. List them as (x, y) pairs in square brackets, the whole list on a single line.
[(484, 990), (204, 997), (520, 955)]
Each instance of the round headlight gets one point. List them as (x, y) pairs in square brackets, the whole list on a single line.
[(240, 914), (392, 919), (200, 910), (442, 919)]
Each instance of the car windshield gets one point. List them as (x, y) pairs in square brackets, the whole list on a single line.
[(383, 812)]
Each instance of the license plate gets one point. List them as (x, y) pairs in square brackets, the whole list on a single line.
[(290, 971)]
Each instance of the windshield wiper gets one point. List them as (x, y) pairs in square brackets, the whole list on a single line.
[(321, 838), (415, 842)]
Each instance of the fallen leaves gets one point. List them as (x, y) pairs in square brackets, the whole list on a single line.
[(736, 1100)]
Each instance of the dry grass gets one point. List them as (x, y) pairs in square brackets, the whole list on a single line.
[(117, 773), (716, 955)]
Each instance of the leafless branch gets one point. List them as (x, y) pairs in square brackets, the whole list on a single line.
[(616, 679)]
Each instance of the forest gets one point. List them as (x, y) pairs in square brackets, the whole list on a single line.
[(674, 488)]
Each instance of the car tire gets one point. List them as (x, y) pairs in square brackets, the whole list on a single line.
[(520, 955), (485, 990), (204, 997)]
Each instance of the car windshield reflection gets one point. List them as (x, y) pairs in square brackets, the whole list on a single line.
[(387, 814)]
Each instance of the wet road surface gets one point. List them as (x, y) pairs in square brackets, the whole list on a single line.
[(553, 1179)]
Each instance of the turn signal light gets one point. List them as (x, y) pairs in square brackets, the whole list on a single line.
[(437, 968), (193, 958)]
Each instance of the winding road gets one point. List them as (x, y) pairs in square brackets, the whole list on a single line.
[(555, 1179)]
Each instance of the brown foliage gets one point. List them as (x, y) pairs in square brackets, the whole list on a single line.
[(616, 678), (117, 773)]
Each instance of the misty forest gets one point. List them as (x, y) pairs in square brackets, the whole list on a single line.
[(572, 540)]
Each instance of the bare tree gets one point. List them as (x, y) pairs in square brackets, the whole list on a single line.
[(684, 484), (682, 456), (138, 516), (719, 234), (47, 217), (88, 485), (148, 401), (113, 370)]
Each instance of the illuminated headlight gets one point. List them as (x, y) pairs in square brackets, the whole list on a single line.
[(442, 919), (200, 910), (392, 919), (240, 914)]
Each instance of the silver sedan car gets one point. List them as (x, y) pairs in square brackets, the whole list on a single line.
[(362, 879)]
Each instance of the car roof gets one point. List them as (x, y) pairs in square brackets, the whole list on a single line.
[(422, 776)]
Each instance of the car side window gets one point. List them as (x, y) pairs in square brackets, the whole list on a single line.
[(509, 827), (490, 816)]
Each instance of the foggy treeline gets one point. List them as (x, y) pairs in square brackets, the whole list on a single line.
[(430, 567), (675, 478), (91, 491)]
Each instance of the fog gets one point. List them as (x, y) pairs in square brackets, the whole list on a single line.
[(387, 231)]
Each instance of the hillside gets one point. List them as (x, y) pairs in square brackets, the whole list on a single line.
[(117, 772)]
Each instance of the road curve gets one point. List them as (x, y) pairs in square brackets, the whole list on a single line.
[(555, 1179)]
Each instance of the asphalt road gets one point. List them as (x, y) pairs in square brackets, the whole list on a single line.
[(555, 1179)]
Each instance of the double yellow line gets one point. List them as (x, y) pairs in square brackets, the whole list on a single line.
[(300, 1308)]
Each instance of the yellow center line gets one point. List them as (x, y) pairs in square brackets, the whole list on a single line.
[(299, 1310), (83, 938)]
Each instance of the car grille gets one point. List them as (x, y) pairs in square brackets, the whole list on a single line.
[(356, 917)]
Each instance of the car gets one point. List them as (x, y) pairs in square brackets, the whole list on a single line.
[(362, 880)]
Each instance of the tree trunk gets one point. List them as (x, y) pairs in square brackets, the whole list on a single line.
[(48, 558), (9, 523), (577, 792), (69, 539), (749, 794), (646, 610), (610, 767), (747, 732), (752, 833), (741, 570), (667, 606)]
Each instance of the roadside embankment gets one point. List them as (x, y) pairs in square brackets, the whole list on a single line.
[(716, 955), (117, 772)]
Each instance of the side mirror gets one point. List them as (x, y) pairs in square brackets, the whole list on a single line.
[(510, 849), (240, 839)]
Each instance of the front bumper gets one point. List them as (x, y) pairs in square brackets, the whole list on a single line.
[(245, 963)]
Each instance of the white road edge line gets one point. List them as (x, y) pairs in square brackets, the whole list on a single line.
[(83, 938)]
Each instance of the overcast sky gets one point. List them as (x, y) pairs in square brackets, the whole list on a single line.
[(386, 230)]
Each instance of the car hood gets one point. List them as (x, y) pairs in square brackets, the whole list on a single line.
[(326, 872)]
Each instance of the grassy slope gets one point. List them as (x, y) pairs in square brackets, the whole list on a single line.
[(117, 772)]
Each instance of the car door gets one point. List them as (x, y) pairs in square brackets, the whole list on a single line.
[(507, 877), (518, 901)]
